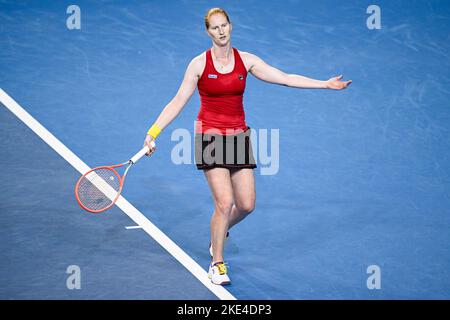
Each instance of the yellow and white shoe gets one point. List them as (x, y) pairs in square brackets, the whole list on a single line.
[(218, 273), (210, 246)]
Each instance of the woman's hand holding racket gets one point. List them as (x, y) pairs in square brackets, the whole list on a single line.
[(148, 143)]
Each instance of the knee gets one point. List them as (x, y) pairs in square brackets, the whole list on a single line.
[(246, 207), (224, 206)]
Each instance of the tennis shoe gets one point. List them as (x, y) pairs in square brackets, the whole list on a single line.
[(218, 273)]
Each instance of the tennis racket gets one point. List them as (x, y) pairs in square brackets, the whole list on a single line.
[(98, 189)]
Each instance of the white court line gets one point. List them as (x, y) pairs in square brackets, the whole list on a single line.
[(192, 266), (133, 227)]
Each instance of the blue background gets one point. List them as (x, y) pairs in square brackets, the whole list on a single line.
[(364, 173)]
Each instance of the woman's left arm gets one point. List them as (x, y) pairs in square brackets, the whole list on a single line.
[(265, 72)]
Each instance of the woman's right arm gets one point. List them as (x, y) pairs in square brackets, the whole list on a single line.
[(174, 107)]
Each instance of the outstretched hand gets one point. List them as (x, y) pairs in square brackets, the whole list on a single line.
[(335, 83)]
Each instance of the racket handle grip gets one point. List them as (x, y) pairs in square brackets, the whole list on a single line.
[(141, 153)]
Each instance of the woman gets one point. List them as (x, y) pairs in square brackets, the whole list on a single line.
[(223, 147)]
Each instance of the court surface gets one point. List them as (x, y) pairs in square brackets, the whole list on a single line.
[(362, 181)]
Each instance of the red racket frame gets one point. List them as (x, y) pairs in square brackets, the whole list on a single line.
[(111, 168)]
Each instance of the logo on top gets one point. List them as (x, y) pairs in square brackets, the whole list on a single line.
[(212, 76)]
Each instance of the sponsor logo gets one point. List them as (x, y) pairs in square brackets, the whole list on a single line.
[(212, 76)]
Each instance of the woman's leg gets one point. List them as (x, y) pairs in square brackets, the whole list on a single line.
[(219, 181), (244, 194)]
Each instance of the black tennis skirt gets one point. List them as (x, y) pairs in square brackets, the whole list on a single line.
[(224, 151)]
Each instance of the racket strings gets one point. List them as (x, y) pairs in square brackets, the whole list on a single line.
[(98, 189)]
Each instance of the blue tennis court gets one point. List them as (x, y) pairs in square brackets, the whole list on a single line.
[(353, 186)]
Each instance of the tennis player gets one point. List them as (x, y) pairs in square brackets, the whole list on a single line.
[(222, 138)]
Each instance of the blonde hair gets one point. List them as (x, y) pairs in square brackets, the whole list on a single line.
[(215, 11)]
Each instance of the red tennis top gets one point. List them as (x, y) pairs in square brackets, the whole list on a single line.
[(221, 97)]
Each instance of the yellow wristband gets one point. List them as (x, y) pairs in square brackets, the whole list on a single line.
[(154, 131)]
